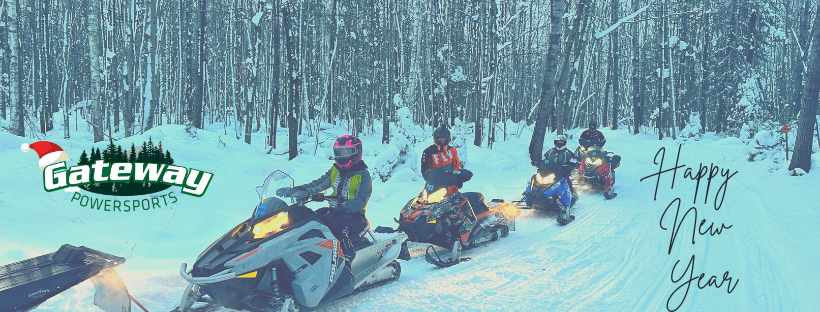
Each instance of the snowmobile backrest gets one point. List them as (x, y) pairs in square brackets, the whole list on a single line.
[(476, 200)]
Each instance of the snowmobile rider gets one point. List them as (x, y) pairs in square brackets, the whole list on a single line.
[(349, 178), (440, 164), (592, 136), (561, 158)]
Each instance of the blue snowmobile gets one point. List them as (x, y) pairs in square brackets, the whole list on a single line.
[(548, 191)]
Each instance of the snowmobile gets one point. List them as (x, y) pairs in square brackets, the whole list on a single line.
[(438, 216), (548, 191), (26, 284), (597, 169), (284, 256)]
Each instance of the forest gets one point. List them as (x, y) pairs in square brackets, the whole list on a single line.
[(668, 67)]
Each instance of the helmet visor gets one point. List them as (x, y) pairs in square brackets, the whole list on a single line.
[(442, 140), (340, 152)]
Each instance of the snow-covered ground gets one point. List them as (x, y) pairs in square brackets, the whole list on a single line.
[(613, 257)]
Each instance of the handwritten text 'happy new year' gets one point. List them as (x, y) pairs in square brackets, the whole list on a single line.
[(696, 175)]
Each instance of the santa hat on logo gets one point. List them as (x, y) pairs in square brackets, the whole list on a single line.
[(49, 152)]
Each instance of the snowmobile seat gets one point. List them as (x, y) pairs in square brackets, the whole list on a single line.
[(362, 242), (614, 161), (476, 201)]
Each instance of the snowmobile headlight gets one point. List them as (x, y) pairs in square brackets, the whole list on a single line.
[(544, 180), (437, 196), (270, 225), (588, 161), (598, 162)]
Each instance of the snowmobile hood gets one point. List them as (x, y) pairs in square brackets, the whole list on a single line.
[(247, 236)]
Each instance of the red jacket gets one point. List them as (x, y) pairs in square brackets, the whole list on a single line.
[(437, 163)]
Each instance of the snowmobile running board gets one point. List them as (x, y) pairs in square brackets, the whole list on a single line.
[(26, 284)]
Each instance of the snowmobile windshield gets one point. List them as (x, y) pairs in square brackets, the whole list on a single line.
[(269, 202), (594, 151)]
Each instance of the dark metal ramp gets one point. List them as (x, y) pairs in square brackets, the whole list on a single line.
[(28, 283)]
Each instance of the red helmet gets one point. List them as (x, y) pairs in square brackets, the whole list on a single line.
[(347, 151)]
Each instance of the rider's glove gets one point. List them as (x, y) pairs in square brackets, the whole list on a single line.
[(318, 197), (284, 192)]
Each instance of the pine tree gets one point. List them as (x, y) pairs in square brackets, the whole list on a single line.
[(83, 159), (133, 156), (95, 155), (160, 155), (109, 155), (119, 155), (142, 156), (151, 152), (168, 159)]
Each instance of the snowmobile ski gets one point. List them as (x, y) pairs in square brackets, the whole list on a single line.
[(437, 261)]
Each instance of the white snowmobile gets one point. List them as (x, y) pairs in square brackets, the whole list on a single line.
[(283, 257)]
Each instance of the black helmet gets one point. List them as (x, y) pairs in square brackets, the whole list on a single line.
[(593, 125), (442, 135), (560, 141)]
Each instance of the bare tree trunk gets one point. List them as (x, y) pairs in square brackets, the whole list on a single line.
[(34, 61), (705, 65), (802, 46), (637, 114), (66, 70), (294, 76), (616, 70), (277, 65), (548, 84), (673, 94), (479, 75), (255, 38), (806, 120), (130, 72), (94, 55), (151, 98), (17, 113), (195, 106)]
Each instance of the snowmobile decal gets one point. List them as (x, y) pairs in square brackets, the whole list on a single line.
[(251, 253), (333, 264), (385, 249), (261, 210)]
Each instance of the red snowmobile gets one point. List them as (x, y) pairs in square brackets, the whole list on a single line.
[(597, 169), (438, 216)]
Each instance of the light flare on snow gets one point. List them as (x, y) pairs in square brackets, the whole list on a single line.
[(508, 209)]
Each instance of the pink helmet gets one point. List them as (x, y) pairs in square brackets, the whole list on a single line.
[(347, 151)]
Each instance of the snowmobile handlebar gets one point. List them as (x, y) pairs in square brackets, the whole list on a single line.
[(216, 278), (322, 197)]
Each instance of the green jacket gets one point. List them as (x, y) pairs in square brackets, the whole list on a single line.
[(353, 184)]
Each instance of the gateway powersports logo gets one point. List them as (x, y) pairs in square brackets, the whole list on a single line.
[(145, 171)]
